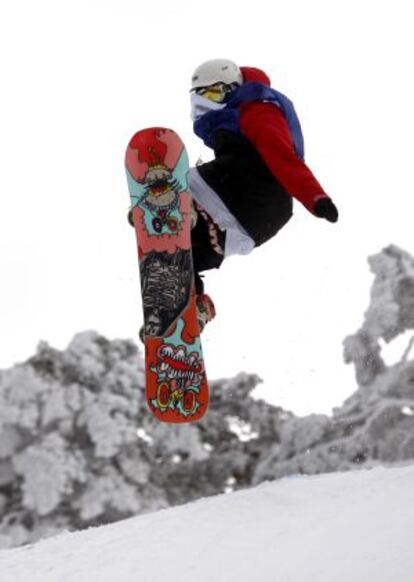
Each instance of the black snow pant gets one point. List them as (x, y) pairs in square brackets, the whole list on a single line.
[(252, 194)]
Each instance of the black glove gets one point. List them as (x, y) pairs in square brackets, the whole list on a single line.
[(325, 208), (130, 217)]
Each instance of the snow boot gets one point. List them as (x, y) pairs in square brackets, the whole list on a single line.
[(205, 310)]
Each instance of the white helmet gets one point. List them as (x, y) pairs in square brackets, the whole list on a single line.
[(216, 71)]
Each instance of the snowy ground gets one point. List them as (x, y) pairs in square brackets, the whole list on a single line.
[(343, 527)]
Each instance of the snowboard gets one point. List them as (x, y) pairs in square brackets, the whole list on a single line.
[(176, 383)]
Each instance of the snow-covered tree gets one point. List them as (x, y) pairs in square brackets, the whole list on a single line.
[(78, 446), (70, 453), (376, 424)]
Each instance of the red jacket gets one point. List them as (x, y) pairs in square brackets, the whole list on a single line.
[(266, 128)]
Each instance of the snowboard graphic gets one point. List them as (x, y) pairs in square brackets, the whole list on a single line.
[(176, 383)]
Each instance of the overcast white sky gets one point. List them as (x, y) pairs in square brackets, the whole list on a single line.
[(79, 78)]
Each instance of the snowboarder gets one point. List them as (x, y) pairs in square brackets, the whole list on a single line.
[(244, 196)]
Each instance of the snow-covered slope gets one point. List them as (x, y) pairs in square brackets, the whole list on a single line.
[(343, 527)]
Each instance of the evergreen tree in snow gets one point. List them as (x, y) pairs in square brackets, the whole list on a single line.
[(69, 451), (78, 446), (376, 424)]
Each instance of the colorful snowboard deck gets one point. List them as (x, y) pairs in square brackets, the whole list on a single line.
[(176, 383)]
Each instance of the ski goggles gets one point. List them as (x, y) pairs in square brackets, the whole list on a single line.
[(217, 92)]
